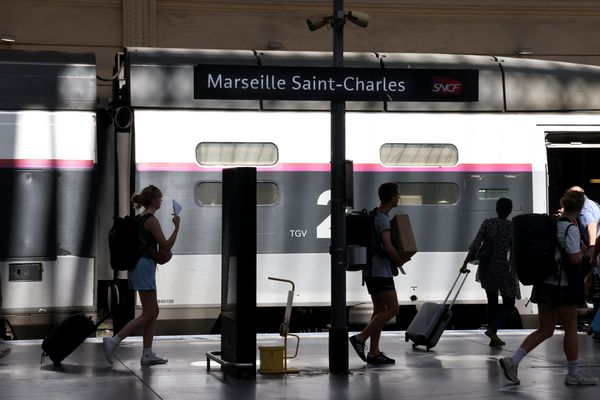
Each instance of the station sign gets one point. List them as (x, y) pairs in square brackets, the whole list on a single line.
[(245, 82)]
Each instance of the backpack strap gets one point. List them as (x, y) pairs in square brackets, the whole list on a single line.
[(377, 247), (141, 221), (143, 218), (563, 250), (370, 249)]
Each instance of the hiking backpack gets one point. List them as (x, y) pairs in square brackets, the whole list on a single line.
[(124, 242), (534, 246)]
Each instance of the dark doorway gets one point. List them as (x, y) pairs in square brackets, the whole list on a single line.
[(573, 160)]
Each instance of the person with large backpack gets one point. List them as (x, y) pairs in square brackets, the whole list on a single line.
[(379, 279), (142, 278), (491, 247), (557, 297)]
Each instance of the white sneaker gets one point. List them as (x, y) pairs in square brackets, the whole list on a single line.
[(510, 370), (580, 379), (109, 346), (152, 359), (4, 350)]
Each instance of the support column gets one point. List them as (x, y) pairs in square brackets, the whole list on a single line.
[(338, 333)]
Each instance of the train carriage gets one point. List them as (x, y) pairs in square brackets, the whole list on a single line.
[(451, 159), (533, 133), (48, 178)]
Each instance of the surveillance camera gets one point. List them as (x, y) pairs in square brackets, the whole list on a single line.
[(359, 18), (317, 22)]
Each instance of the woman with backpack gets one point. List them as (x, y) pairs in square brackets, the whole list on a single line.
[(491, 247), (143, 277), (557, 297)]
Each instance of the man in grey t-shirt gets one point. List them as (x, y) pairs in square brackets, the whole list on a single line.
[(380, 280)]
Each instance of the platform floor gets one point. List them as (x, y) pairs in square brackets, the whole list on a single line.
[(462, 366)]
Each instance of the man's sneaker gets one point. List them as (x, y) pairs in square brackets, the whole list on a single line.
[(359, 347), (4, 350), (380, 359), (152, 359), (510, 370), (109, 346), (580, 379)]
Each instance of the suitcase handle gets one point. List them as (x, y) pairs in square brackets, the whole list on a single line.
[(466, 274)]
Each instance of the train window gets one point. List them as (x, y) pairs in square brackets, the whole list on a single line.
[(491, 194), (237, 154), (482, 190), (209, 194), (267, 194), (418, 154), (419, 193)]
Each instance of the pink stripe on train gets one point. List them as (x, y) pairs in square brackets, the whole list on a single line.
[(46, 164), (324, 167)]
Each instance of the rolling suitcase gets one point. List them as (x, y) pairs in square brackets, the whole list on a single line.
[(64, 338), (428, 325), (67, 336)]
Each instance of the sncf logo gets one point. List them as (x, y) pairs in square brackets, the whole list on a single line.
[(445, 86)]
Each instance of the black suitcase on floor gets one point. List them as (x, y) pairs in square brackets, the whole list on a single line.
[(64, 338), (67, 336)]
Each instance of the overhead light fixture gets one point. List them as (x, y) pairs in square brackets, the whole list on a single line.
[(318, 21), (358, 18), (7, 38)]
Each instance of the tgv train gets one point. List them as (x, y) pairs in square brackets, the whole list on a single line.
[(68, 163)]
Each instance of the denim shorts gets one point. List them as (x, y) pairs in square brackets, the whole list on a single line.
[(143, 276)]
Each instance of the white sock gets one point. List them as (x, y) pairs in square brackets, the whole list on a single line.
[(116, 339), (573, 368), (518, 356), (147, 352)]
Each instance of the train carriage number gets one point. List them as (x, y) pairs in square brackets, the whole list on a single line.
[(324, 228)]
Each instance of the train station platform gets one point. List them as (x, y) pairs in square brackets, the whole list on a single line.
[(462, 366)]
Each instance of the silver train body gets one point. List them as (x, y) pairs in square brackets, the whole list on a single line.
[(68, 164)]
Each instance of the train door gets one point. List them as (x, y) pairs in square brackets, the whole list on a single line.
[(573, 159)]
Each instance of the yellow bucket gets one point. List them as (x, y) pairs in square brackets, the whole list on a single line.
[(271, 359)]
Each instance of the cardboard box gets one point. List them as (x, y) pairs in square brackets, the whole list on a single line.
[(402, 236)]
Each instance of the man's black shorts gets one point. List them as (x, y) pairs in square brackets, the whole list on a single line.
[(377, 284)]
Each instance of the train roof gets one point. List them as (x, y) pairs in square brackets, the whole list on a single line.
[(47, 80), (163, 78)]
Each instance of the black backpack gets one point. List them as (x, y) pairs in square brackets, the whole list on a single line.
[(124, 242), (360, 231), (534, 244)]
